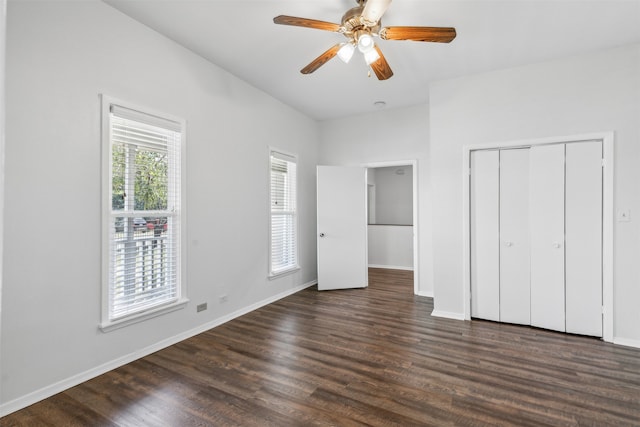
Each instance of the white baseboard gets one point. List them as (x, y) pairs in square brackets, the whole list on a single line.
[(626, 342), (425, 294), (391, 267), (447, 315), (50, 390)]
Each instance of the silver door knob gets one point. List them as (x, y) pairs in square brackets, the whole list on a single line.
[(508, 243), (556, 245), (321, 234)]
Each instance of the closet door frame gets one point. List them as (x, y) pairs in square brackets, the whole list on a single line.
[(607, 139)]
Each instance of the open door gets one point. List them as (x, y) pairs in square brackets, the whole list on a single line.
[(342, 227)]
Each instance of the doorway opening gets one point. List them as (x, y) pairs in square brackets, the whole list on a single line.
[(392, 222)]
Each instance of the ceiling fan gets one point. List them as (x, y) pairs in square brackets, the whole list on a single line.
[(360, 25)]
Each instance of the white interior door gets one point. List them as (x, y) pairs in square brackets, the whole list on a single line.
[(547, 236), (342, 227), (485, 247), (584, 238), (514, 237)]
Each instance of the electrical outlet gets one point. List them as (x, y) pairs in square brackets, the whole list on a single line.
[(224, 298), (201, 307)]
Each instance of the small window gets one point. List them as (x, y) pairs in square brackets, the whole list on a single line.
[(284, 214), (143, 269)]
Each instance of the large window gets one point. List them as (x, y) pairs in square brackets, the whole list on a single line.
[(142, 214), (284, 215)]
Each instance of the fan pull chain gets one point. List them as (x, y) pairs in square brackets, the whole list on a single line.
[(369, 72)]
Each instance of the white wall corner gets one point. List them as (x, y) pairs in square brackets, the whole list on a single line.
[(428, 294), (626, 342), (448, 315), (3, 16), (391, 267)]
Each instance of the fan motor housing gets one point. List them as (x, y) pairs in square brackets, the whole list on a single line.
[(352, 22)]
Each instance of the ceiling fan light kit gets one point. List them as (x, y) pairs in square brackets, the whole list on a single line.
[(345, 53), (360, 25), (365, 41), (371, 56)]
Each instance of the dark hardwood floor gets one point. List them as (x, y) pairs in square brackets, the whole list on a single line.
[(359, 357)]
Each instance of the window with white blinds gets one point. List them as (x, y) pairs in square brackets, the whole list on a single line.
[(144, 214), (284, 214)]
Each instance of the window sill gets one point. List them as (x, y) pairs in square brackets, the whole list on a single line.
[(135, 318), (279, 274)]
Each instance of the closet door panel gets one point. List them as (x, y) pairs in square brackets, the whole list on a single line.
[(485, 261), (584, 238), (547, 236), (514, 236)]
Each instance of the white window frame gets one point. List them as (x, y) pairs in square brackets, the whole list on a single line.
[(283, 155), (177, 210)]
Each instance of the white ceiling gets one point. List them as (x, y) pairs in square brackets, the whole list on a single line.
[(240, 36)]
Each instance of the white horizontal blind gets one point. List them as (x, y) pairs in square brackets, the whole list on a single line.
[(144, 236), (284, 221)]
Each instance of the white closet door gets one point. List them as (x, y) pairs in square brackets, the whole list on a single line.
[(584, 238), (547, 236), (485, 261), (514, 236)]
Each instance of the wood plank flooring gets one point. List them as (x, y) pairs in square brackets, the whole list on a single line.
[(359, 357)]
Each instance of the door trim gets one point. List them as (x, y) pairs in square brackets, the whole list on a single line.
[(608, 216), (416, 227)]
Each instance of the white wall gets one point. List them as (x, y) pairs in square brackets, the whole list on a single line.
[(589, 93), (3, 28), (398, 134), (394, 195), (390, 246), (60, 56)]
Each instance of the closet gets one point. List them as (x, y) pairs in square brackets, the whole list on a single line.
[(536, 236)]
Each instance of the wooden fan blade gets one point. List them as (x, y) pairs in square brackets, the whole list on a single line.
[(321, 60), (420, 34), (304, 22), (373, 10), (381, 66)]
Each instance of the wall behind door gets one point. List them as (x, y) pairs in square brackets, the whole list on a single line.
[(390, 235), (393, 195)]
